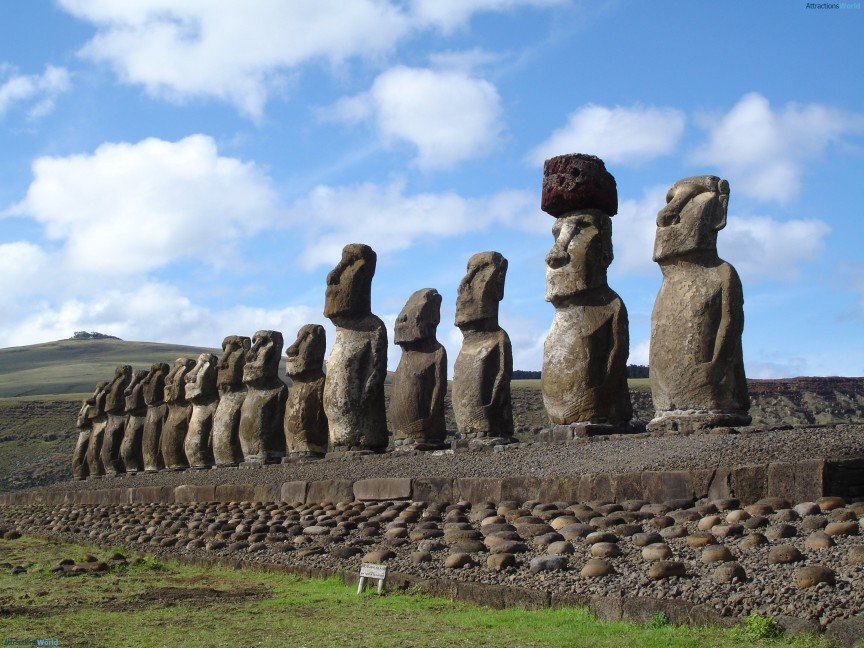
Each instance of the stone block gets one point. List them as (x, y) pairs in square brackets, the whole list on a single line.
[(432, 489), (668, 485), (437, 587), (559, 489), (151, 494), (569, 600), (641, 609), (845, 632), (721, 484), (382, 489), (235, 493), (478, 489), (189, 493), (480, 594), (519, 489), (595, 486), (294, 491), (330, 490), (627, 486), (526, 598), (749, 483), (267, 493), (606, 608), (801, 481)]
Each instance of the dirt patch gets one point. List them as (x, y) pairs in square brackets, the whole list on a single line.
[(171, 596)]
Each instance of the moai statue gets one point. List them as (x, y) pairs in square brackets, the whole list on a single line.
[(357, 366), (115, 408), (232, 393), (157, 412), (306, 433), (202, 392), (696, 362), (98, 421), (136, 417), (179, 411), (584, 378), (262, 436), (84, 423), (420, 382), (484, 366)]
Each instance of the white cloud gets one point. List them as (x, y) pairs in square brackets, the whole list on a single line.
[(763, 151), (136, 207), (621, 135), (20, 263), (38, 91), (448, 15), (633, 231), (389, 220), (447, 115)]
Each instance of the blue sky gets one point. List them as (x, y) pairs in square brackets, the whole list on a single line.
[(179, 172)]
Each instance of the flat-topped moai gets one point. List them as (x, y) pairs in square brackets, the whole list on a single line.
[(584, 377), (420, 382), (98, 421), (306, 432), (696, 361), (84, 423), (262, 437), (484, 367), (176, 423), (136, 417), (115, 408), (157, 412), (232, 393), (357, 366), (202, 392)]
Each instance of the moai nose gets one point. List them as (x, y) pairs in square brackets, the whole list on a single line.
[(557, 257)]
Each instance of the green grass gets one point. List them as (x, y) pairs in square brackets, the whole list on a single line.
[(167, 604)]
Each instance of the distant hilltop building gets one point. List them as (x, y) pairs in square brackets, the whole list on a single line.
[(84, 335)]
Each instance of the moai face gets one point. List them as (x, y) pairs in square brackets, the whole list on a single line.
[(230, 368), (98, 408), (262, 360), (349, 284), (580, 255), (481, 289), (307, 352), (201, 379), (154, 383), (175, 383), (419, 318), (133, 397), (89, 407), (695, 211)]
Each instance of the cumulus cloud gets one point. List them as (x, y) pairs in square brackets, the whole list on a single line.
[(621, 135), (239, 52), (763, 151), (136, 207), (36, 91), (447, 115)]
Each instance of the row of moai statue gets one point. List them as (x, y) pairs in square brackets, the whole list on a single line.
[(221, 412)]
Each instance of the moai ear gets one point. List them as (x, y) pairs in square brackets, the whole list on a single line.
[(722, 205)]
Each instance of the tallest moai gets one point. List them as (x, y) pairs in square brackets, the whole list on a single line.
[(696, 361)]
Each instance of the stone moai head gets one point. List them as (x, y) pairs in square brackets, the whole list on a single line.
[(349, 284), (115, 401), (695, 211), (90, 407), (134, 397), (99, 397), (481, 289), (582, 195), (201, 379), (154, 383), (175, 381), (306, 355), (262, 359), (230, 367), (419, 318)]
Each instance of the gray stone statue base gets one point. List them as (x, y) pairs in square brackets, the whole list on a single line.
[(300, 456), (477, 442), (409, 445), (350, 452), (696, 420)]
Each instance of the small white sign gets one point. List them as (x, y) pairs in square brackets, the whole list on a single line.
[(378, 572)]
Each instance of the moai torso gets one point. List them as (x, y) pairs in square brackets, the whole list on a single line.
[(179, 411), (201, 391), (136, 415), (262, 438), (232, 393), (157, 411), (84, 423), (306, 430), (98, 421), (115, 408)]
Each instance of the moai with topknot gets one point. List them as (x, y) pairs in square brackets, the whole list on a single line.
[(176, 424), (357, 366), (484, 366), (306, 431), (157, 412), (202, 392), (262, 437), (696, 361), (115, 408), (98, 421), (584, 377), (232, 393), (420, 381), (84, 423), (136, 417)]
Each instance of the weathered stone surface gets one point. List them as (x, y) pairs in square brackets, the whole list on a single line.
[(179, 410), (432, 489), (584, 378), (576, 182), (157, 412), (293, 491), (357, 366), (420, 381), (188, 493), (813, 575), (332, 490), (202, 392), (802, 480), (697, 366), (262, 415), (382, 489), (232, 393), (306, 430), (136, 415), (115, 406), (84, 423), (484, 367)]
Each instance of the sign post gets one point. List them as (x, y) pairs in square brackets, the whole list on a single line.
[(375, 572)]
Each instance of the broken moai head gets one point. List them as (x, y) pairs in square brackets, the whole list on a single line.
[(695, 211), (134, 392), (175, 381), (481, 289), (230, 367), (154, 383), (349, 284), (420, 317), (115, 401), (201, 379), (262, 360), (306, 355), (576, 182)]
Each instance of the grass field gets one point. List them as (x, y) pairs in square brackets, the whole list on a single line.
[(155, 603)]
